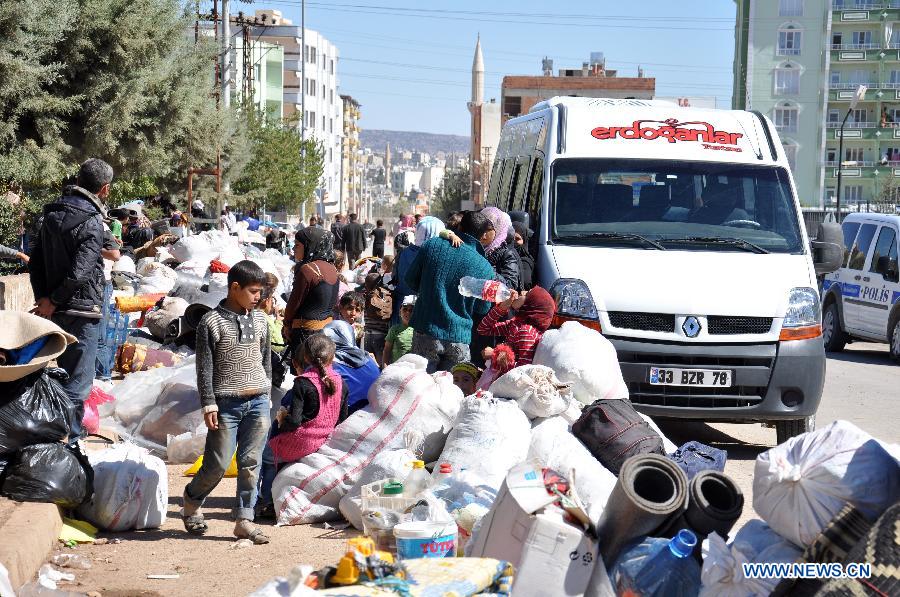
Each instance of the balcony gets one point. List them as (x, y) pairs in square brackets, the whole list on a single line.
[(870, 46), (845, 85), (862, 5), (852, 125), (787, 51), (851, 164)]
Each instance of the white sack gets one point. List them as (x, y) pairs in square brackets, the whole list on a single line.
[(799, 486), (585, 359), (195, 267), (490, 436), (723, 573), (230, 254), (395, 464), (536, 389), (131, 490), (554, 446), (193, 248), (403, 399), (124, 264)]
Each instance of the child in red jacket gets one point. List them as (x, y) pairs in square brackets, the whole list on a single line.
[(533, 314)]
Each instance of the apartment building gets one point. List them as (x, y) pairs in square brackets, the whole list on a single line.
[(323, 117), (351, 167), (800, 62)]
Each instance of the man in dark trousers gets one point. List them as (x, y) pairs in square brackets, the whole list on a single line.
[(66, 270), (354, 240), (379, 234), (337, 231)]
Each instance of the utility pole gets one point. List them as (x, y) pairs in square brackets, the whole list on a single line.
[(303, 92)]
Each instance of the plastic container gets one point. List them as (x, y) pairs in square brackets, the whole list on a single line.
[(417, 481), (659, 568), (441, 474), (492, 291), (425, 540), (385, 497)]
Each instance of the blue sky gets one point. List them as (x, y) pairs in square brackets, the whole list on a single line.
[(408, 62)]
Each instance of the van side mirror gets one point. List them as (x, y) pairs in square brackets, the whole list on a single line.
[(828, 248)]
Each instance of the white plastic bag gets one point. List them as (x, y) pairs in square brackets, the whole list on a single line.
[(723, 573), (131, 489), (391, 464), (489, 437), (193, 248), (585, 359), (139, 391), (554, 446), (404, 398), (799, 486), (177, 411), (536, 389), (186, 447)]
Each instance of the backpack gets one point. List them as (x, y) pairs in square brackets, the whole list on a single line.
[(612, 431), (381, 300)]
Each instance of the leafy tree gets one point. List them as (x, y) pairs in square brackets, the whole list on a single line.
[(276, 172), (454, 189)]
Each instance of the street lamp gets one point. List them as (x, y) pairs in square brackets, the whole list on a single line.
[(857, 97)]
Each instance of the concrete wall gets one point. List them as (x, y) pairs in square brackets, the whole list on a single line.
[(15, 293)]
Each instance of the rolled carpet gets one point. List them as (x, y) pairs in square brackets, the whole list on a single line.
[(715, 502), (650, 491)]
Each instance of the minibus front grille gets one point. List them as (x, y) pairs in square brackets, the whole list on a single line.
[(728, 325), (688, 397), (648, 322)]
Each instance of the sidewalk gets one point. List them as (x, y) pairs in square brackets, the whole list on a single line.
[(34, 528)]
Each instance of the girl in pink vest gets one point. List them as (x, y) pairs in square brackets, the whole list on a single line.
[(319, 404)]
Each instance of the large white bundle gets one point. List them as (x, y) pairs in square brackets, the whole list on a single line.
[(800, 485), (723, 572), (186, 447), (230, 254), (403, 399), (537, 391), (195, 267), (131, 489), (585, 359), (554, 446), (193, 248), (489, 437), (124, 264), (393, 464)]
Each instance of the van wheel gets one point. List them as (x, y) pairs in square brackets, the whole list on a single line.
[(834, 337), (785, 430), (895, 341)]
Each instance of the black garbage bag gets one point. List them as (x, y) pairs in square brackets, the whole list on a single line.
[(56, 473), (34, 410)]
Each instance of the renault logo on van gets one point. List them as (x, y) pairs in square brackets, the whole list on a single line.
[(691, 326)]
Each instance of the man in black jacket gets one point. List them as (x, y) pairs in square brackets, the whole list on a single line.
[(354, 240), (337, 231), (66, 270)]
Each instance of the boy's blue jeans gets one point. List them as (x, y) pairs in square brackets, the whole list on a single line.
[(243, 423)]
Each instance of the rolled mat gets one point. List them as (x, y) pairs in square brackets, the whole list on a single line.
[(140, 302), (715, 502), (651, 490)]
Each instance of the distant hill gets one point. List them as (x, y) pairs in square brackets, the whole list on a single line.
[(413, 141)]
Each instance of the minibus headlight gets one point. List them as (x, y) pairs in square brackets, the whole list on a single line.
[(803, 318), (573, 299)]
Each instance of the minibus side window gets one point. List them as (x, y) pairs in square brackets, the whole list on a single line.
[(534, 200), (517, 201), (496, 177), (509, 172)]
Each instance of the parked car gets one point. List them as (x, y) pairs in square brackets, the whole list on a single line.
[(862, 298)]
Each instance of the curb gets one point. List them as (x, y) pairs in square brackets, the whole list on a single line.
[(35, 528)]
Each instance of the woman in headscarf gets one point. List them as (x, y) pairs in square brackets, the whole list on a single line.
[(314, 294), (501, 253), (428, 228), (357, 369)]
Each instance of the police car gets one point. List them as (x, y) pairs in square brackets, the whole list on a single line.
[(862, 298)]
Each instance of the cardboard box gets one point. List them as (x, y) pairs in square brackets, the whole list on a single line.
[(525, 528)]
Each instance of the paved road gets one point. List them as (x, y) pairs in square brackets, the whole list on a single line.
[(861, 386)]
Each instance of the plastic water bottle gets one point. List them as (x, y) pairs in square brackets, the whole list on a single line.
[(442, 473), (659, 568), (417, 481), (492, 291)]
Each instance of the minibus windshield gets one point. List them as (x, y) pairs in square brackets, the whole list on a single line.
[(666, 205)]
